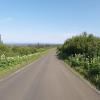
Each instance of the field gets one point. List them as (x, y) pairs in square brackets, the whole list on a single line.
[(15, 57)]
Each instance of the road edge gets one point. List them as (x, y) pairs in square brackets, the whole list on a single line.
[(81, 77), (12, 74)]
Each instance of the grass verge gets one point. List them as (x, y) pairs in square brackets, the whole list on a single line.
[(79, 75), (4, 71)]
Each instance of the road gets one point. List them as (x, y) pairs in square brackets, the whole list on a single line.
[(46, 79)]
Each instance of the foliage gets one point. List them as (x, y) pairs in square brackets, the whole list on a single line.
[(83, 52), (16, 54), (13, 57)]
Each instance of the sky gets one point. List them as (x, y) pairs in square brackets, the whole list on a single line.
[(47, 21)]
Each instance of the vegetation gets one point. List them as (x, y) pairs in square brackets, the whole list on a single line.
[(14, 56), (83, 53)]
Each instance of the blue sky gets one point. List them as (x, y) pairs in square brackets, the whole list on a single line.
[(47, 21)]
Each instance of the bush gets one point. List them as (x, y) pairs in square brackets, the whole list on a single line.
[(83, 52)]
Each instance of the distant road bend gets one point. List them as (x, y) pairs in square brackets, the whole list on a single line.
[(46, 79)]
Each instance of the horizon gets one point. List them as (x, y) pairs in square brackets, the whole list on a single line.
[(42, 43), (47, 21)]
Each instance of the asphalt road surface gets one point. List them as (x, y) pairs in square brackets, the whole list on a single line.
[(46, 79)]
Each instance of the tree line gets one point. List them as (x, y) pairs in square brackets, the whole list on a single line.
[(16, 56), (13, 50)]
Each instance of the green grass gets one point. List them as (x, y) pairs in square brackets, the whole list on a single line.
[(5, 70), (90, 71)]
